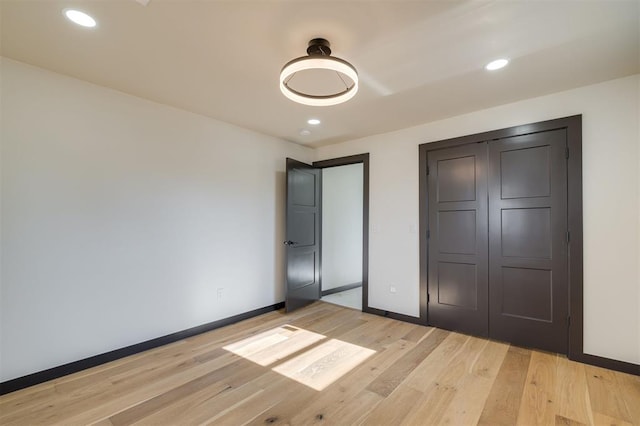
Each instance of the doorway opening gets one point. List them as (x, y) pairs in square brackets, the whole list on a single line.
[(345, 249), (344, 234), (341, 271)]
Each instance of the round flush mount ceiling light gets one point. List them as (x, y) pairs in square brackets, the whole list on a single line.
[(313, 121), (497, 64), (318, 59), (80, 18)]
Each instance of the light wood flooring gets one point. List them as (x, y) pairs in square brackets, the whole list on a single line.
[(330, 365)]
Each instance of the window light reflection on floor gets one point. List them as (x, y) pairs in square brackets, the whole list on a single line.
[(316, 368), (324, 364), (272, 345)]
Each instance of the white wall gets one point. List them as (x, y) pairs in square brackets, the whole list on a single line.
[(342, 225), (611, 186), (121, 219)]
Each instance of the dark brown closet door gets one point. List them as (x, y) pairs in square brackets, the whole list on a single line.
[(528, 294), (458, 262)]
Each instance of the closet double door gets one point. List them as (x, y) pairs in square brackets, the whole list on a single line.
[(498, 248)]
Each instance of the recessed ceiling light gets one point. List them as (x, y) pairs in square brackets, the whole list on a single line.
[(80, 18), (313, 121), (305, 132), (497, 64)]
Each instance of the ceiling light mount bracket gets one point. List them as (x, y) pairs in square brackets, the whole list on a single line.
[(319, 46), (319, 58)]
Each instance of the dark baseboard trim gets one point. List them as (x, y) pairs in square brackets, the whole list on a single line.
[(608, 363), (341, 288), (393, 315), (83, 364)]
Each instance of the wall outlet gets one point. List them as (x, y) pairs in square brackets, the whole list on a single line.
[(220, 292), (392, 289)]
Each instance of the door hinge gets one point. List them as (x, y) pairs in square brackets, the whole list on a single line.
[(427, 170), (428, 297), (428, 234), (567, 153), (568, 237), (569, 320)]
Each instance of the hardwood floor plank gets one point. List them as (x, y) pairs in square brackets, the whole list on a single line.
[(472, 390), (572, 401), (356, 410), (425, 373), (117, 398), (274, 392), (416, 334), (206, 406), (538, 404), (393, 331), (604, 420), (282, 412), (347, 326), (394, 408), (605, 394), (324, 364), (393, 376), (217, 382), (630, 386), (90, 380), (442, 384), (337, 397), (364, 369), (368, 334), (437, 377), (563, 421), (430, 409), (105, 422), (503, 401), (170, 407)]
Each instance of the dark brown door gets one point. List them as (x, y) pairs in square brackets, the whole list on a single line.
[(303, 235), (528, 283), (458, 260)]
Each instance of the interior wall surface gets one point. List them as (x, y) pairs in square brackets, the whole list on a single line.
[(123, 220), (611, 194)]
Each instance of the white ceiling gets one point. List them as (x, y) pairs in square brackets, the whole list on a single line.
[(418, 61)]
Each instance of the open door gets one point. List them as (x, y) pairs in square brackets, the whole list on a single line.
[(303, 235)]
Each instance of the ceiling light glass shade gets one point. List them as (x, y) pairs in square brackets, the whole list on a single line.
[(319, 61)]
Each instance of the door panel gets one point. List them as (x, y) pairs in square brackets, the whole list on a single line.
[(528, 284), (458, 259), (526, 293), (526, 232), (303, 234), (524, 172)]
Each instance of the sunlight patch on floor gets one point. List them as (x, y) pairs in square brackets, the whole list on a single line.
[(324, 364), (272, 345), (317, 367)]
